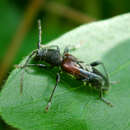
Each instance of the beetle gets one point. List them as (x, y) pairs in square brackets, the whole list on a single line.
[(68, 63)]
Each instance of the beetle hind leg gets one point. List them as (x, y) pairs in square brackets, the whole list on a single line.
[(103, 99)]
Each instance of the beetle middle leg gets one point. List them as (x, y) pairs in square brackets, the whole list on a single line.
[(36, 65), (50, 99)]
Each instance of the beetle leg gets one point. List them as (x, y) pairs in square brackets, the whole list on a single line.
[(22, 67), (103, 99), (114, 82), (50, 99), (96, 63), (70, 48), (29, 57), (37, 65), (86, 80), (29, 65), (57, 47), (51, 46)]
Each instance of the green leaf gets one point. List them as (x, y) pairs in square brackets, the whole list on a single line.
[(75, 106)]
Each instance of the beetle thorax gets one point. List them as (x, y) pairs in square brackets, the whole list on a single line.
[(51, 56)]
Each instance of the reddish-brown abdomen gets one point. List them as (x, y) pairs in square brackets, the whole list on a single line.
[(70, 66)]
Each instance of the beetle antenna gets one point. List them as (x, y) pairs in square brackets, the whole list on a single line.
[(40, 33)]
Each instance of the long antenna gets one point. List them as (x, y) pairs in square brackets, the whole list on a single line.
[(40, 33)]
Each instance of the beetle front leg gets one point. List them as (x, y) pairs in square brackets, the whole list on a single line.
[(27, 61), (50, 99), (23, 67), (29, 65)]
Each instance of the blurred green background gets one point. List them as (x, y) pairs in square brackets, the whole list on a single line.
[(19, 32)]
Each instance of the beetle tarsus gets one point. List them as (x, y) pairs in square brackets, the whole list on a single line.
[(48, 107), (107, 102), (50, 99)]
